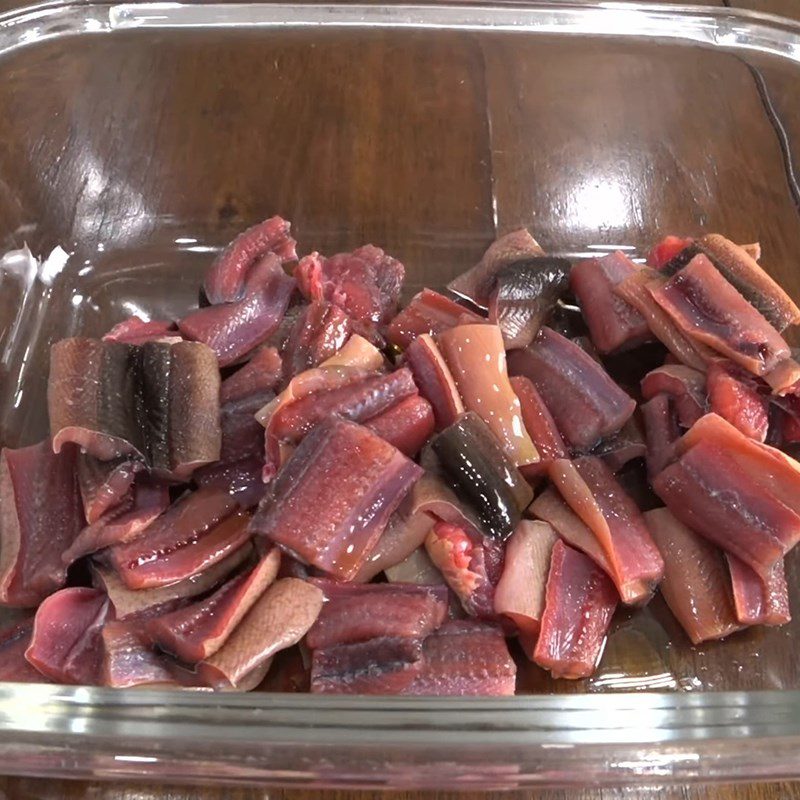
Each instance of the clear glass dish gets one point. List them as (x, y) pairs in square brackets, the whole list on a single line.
[(141, 137)]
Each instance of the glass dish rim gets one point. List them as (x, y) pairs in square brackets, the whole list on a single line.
[(696, 726)]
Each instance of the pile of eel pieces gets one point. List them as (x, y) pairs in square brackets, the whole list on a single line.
[(391, 496)]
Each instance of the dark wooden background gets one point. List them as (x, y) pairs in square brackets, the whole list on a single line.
[(762, 207)]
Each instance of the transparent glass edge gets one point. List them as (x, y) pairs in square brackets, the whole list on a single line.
[(615, 738), (710, 26)]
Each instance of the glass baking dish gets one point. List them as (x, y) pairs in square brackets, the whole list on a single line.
[(137, 139)]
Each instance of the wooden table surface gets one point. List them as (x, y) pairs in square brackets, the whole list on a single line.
[(514, 191)]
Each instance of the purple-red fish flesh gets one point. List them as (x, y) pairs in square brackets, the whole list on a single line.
[(232, 330), (318, 333), (685, 386), (613, 323), (428, 313), (226, 280), (104, 484), (365, 284), (197, 631), (40, 516), (705, 307), (198, 530), (358, 612), (585, 403), (331, 501), (67, 643), (759, 600), (580, 600), (696, 586), (434, 380), (591, 490)]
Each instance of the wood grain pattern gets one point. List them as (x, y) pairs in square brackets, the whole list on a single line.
[(33, 789), (587, 143)]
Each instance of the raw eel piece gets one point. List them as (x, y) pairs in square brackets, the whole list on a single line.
[(144, 564), (661, 431), (331, 501), (785, 378), (521, 588), (735, 396), (753, 250), (405, 532), (464, 658), (385, 665), (358, 612), (710, 492), (139, 603), (709, 310), (759, 600), (279, 619), (159, 402), (585, 403), (696, 586), (463, 564), (14, 641), (407, 425), (241, 479), (666, 250), (524, 296), (685, 385), (593, 493), (428, 313), (104, 484), (634, 290), (232, 330), (135, 330), (484, 474), (129, 661), (180, 527), (197, 631), (434, 380), (753, 283), (541, 427), (550, 507), (145, 502), (357, 401), (416, 568), (365, 283), (225, 281), (774, 471), (180, 393), (356, 360), (613, 323), (66, 644), (92, 397), (580, 601), (40, 515), (433, 495), (319, 333), (477, 283), (477, 360), (356, 353), (260, 374), (622, 447), (242, 434)]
